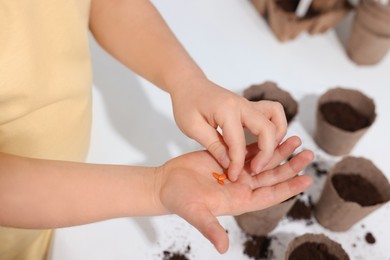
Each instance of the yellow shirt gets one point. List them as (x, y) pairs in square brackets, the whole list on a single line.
[(45, 93)]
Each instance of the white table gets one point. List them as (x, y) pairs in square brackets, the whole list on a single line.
[(133, 124)]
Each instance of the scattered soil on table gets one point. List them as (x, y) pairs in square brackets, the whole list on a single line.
[(370, 238), (174, 256), (257, 247), (319, 172), (300, 211), (355, 188), (344, 116), (312, 250), (169, 255)]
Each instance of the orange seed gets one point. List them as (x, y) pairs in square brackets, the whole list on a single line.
[(223, 176)]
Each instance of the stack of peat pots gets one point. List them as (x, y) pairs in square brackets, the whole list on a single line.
[(369, 39), (286, 25)]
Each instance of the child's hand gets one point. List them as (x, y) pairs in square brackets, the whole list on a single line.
[(185, 186), (201, 108)]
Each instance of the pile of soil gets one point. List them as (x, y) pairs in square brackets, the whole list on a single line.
[(311, 250), (355, 188), (169, 255), (257, 247), (344, 116), (300, 211)]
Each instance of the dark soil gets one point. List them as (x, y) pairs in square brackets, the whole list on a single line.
[(313, 251), (319, 172), (355, 188), (174, 256), (169, 255), (299, 211), (344, 116), (288, 5), (370, 238), (291, 5), (257, 247)]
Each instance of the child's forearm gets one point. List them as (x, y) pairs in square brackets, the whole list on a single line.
[(134, 32), (49, 194)]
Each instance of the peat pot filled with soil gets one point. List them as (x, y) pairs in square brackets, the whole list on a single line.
[(343, 117), (315, 246), (354, 188)]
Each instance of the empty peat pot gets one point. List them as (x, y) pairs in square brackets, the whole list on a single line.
[(315, 246), (343, 117), (354, 188)]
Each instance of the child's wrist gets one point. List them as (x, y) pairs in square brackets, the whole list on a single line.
[(188, 78), (157, 182)]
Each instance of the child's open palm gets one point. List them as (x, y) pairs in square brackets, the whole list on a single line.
[(187, 188)]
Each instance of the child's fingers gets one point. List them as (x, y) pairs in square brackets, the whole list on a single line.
[(266, 144), (210, 138), (270, 195), (283, 172), (266, 141), (275, 113), (233, 135), (202, 219), (281, 153)]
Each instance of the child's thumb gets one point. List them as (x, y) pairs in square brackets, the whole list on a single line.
[(202, 219)]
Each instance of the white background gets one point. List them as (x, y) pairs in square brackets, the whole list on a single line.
[(133, 124)]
